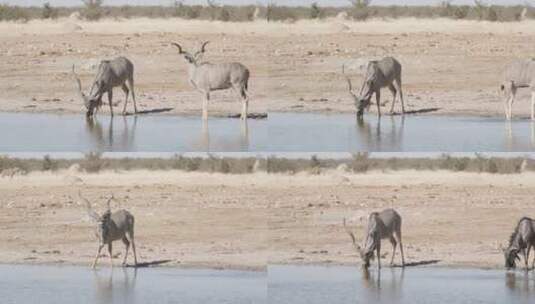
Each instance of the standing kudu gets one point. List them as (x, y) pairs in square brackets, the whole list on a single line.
[(521, 241), (383, 73), (118, 225), (206, 77), (111, 74), (519, 74), (381, 225)]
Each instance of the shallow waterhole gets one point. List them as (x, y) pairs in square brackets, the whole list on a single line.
[(280, 132), (279, 284)]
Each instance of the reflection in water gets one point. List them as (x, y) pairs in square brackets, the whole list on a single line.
[(374, 139), (205, 136), (520, 138), (341, 285), (205, 144), (115, 284), (520, 283), (80, 285), (244, 135), (391, 288), (281, 132), (105, 138), (369, 281)]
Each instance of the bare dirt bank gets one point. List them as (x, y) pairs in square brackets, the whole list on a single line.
[(247, 221), (453, 66)]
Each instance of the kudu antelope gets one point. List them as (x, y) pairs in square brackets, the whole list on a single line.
[(206, 77), (521, 241), (118, 225), (381, 225), (383, 73), (110, 74), (518, 74)]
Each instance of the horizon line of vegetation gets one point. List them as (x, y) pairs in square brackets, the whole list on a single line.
[(359, 10), (358, 163)]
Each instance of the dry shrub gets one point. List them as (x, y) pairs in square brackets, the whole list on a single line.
[(49, 164), (360, 162), (92, 163), (11, 13)]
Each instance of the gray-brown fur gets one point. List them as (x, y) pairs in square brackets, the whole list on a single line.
[(521, 241), (518, 74), (111, 227), (380, 74), (206, 77), (381, 225), (110, 74)]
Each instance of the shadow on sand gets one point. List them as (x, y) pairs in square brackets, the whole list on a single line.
[(149, 264), (153, 111), (420, 111), (418, 263), (249, 115)]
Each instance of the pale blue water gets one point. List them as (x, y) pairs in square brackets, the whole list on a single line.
[(25, 132), (51, 285), (279, 285), (280, 132), (311, 285)]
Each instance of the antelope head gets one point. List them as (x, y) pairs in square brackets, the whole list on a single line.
[(89, 104), (366, 256), (188, 57), (511, 256), (102, 221), (360, 103)]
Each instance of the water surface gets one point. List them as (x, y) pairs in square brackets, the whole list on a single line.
[(24, 132), (280, 132), (51, 285), (299, 132), (311, 285), (280, 285)]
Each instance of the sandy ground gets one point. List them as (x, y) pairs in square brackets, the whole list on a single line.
[(452, 66), (247, 221)]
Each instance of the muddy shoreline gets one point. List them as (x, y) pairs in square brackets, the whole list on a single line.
[(223, 114), (258, 269)]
